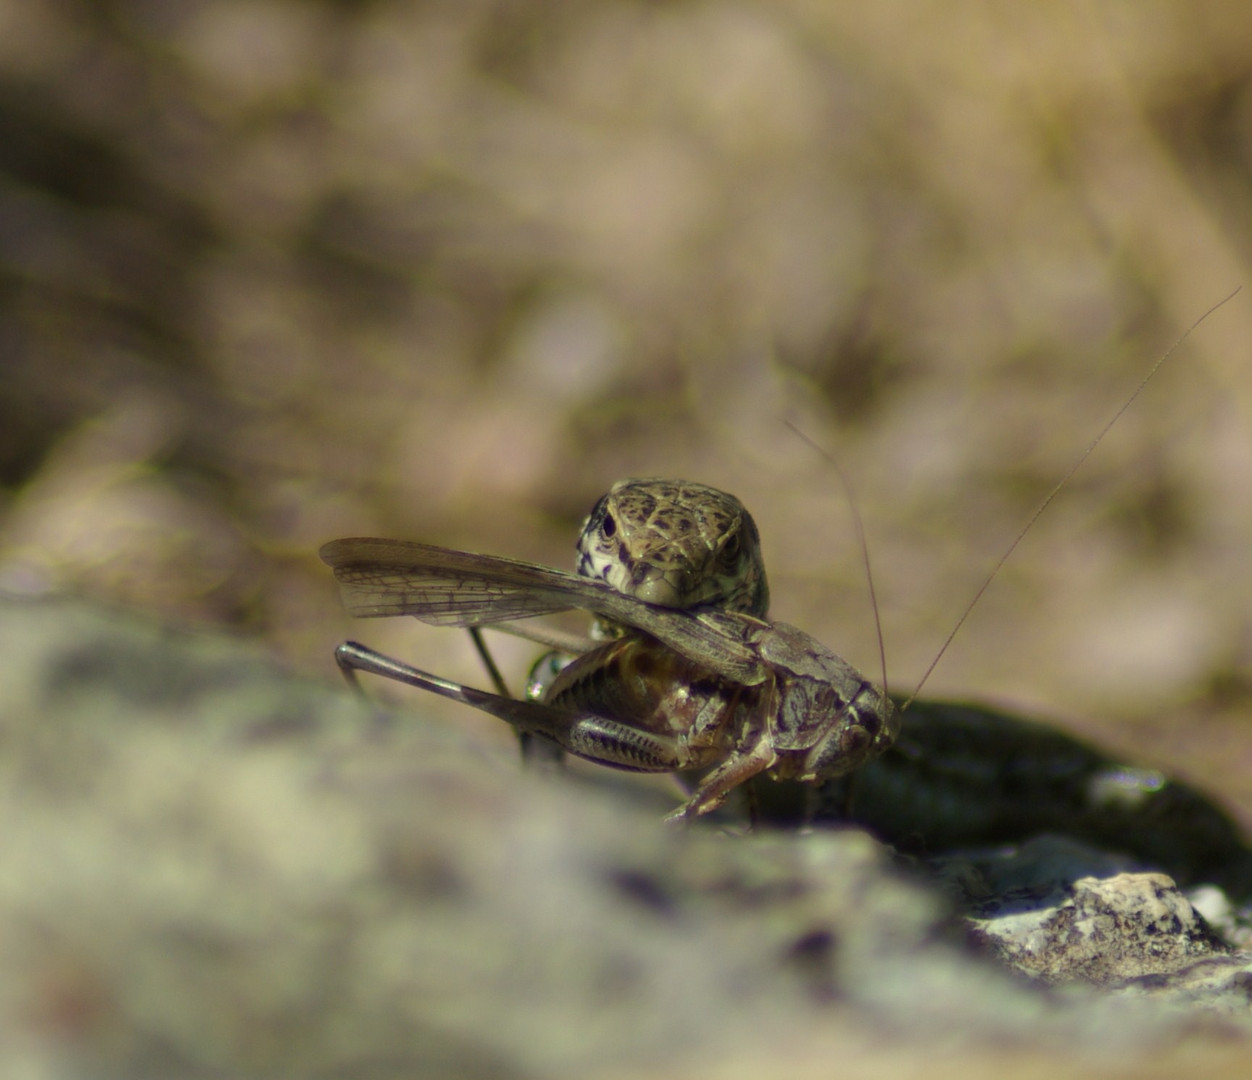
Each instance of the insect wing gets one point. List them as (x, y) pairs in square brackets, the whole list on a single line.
[(445, 587), (720, 640)]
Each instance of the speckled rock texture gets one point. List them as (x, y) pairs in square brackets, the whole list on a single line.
[(212, 868)]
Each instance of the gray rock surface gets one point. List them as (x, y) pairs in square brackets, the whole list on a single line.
[(1107, 927), (210, 868)]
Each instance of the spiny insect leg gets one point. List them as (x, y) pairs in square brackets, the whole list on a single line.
[(595, 738), (714, 787)]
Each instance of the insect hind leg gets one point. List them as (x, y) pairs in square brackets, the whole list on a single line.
[(593, 738), (535, 752)]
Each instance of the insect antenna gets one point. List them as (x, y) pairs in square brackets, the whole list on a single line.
[(1056, 490), (859, 526), (1021, 535)]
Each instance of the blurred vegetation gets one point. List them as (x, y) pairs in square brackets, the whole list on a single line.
[(273, 271)]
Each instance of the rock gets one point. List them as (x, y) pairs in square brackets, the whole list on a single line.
[(213, 868), (1105, 929)]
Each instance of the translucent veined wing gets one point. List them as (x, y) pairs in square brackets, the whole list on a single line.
[(445, 587)]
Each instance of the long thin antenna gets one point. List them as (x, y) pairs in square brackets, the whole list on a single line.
[(859, 525), (1057, 489)]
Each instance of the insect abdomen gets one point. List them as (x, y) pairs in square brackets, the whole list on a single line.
[(640, 682)]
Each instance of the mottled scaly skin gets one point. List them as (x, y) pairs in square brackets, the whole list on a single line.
[(962, 776), (736, 696), (676, 544), (673, 543), (957, 776), (641, 705)]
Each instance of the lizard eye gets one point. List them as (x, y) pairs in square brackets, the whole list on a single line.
[(608, 527), (731, 549)]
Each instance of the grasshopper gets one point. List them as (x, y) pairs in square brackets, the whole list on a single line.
[(682, 689), (703, 683)]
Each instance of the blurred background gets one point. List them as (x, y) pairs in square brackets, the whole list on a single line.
[(276, 271)]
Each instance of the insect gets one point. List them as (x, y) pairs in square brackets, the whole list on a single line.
[(670, 543), (705, 686), (705, 683)]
